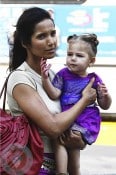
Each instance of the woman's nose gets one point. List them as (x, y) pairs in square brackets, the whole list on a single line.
[(50, 41)]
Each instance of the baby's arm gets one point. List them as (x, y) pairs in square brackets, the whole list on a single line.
[(53, 92), (104, 98)]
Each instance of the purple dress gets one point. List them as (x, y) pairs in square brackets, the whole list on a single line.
[(72, 85)]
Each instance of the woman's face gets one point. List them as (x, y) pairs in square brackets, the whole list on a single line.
[(43, 41)]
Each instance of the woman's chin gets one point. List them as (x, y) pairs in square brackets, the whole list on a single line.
[(51, 56)]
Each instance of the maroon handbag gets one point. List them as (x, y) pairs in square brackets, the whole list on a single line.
[(21, 147)]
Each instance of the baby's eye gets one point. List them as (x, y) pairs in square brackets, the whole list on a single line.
[(69, 54), (79, 55), (53, 33)]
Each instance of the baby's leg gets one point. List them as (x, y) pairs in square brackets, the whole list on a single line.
[(61, 158), (74, 162)]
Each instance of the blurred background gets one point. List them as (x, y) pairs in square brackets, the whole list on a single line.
[(76, 16)]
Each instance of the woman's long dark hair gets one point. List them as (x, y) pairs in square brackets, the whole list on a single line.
[(22, 36)]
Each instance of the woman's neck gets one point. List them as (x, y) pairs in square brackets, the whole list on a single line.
[(35, 65)]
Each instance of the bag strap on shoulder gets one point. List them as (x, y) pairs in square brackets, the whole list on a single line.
[(4, 88), (3, 91)]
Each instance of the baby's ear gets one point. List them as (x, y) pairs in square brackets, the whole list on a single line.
[(92, 61)]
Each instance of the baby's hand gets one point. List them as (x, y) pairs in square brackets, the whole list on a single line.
[(102, 91), (44, 68)]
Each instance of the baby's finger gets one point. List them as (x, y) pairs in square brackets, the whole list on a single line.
[(48, 66)]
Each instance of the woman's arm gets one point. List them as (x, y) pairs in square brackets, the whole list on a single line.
[(34, 107)]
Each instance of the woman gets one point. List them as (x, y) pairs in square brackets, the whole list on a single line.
[(35, 38)]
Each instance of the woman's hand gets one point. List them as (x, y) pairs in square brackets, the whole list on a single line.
[(72, 139), (89, 93)]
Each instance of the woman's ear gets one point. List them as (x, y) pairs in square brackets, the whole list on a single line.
[(23, 45)]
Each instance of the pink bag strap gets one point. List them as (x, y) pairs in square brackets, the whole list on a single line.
[(3, 91)]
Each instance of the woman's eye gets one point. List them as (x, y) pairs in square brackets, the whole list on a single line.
[(41, 36)]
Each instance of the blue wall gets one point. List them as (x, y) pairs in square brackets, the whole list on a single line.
[(70, 19)]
